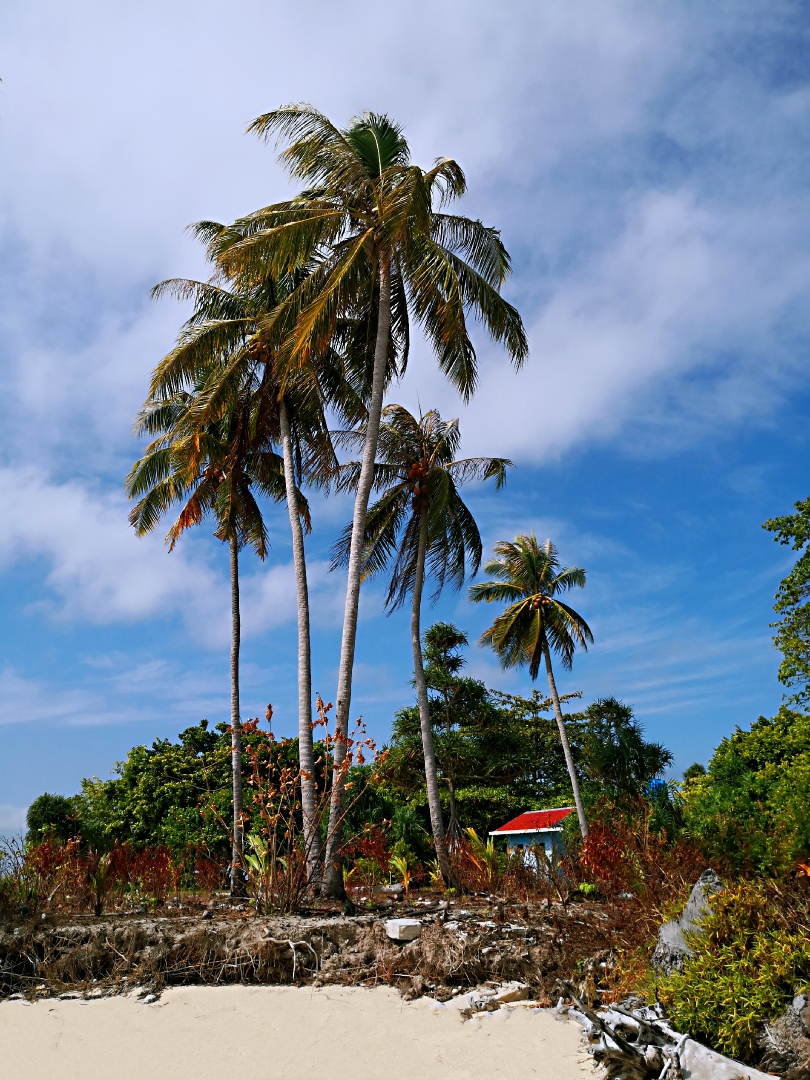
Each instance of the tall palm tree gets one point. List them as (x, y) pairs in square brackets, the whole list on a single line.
[(536, 623), (421, 524), (371, 221), (221, 350), (211, 472)]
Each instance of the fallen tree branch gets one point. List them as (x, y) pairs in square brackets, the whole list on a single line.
[(626, 1047)]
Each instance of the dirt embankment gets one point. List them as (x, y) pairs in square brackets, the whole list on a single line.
[(457, 948)]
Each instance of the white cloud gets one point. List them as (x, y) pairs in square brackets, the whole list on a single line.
[(97, 567), (24, 700), (102, 573), (118, 130), (687, 289)]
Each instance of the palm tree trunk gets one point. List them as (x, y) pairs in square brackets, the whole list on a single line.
[(569, 759), (431, 779), (333, 873), (306, 750), (453, 830), (237, 852)]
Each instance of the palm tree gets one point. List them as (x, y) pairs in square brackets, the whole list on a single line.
[(422, 524), (210, 472), (220, 349), (536, 623), (368, 221)]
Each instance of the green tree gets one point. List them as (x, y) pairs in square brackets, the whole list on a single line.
[(442, 664), (370, 222), (536, 622), (52, 816), (212, 472), (161, 795), (750, 808), (421, 525), (792, 636), (616, 754)]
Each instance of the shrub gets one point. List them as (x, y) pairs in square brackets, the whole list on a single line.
[(54, 817), (752, 956), (750, 809)]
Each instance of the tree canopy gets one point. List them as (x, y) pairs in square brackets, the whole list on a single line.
[(792, 636)]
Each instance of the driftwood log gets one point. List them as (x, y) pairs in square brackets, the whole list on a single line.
[(636, 1043)]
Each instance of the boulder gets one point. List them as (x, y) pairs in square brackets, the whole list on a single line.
[(672, 949), (801, 1006), (786, 1043)]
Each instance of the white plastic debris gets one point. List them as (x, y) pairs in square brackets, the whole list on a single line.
[(403, 929), (512, 991)]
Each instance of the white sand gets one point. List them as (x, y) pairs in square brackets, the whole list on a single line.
[(281, 1033)]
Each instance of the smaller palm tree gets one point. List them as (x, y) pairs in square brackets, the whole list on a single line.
[(210, 472), (422, 524), (537, 622)]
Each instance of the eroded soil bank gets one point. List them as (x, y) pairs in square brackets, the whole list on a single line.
[(465, 945)]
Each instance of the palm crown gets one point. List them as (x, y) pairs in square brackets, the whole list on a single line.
[(528, 577), (367, 208), (420, 478), (216, 470)]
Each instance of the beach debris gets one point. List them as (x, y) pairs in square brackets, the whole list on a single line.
[(483, 999), (389, 890), (635, 1042), (403, 929), (672, 949)]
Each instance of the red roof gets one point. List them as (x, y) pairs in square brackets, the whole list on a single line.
[(535, 820)]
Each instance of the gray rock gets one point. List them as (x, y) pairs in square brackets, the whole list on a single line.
[(801, 1006), (786, 1045), (672, 950)]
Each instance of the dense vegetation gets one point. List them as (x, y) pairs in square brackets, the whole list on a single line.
[(497, 753), (750, 810)]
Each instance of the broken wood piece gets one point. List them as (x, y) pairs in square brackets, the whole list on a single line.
[(632, 1052)]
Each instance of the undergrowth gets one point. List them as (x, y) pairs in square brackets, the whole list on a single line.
[(751, 958)]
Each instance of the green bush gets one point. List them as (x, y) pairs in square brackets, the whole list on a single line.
[(750, 809), (752, 956), (54, 817)]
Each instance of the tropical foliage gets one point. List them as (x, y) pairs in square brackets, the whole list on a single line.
[(752, 956), (792, 636), (750, 809), (369, 227)]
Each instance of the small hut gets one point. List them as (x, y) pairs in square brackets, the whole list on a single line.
[(535, 829)]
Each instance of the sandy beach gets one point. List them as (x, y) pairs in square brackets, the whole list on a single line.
[(282, 1033)]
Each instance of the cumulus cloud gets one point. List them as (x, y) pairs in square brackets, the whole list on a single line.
[(99, 572), (653, 240), (688, 290)]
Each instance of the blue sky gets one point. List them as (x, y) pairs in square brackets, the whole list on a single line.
[(648, 166)]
